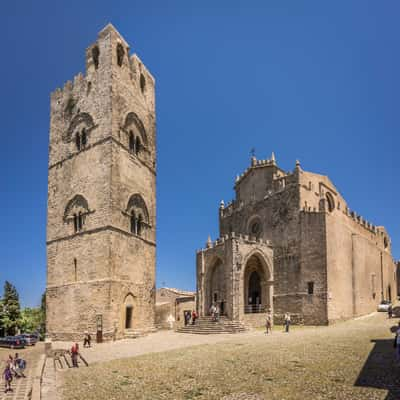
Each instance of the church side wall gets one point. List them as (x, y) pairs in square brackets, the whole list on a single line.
[(358, 266), (313, 261)]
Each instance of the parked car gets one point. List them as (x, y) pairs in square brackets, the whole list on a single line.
[(29, 338), (12, 342), (384, 305)]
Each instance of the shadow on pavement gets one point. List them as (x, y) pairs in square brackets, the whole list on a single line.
[(381, 371)]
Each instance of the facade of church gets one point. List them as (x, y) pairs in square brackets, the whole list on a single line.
[(289, 243)]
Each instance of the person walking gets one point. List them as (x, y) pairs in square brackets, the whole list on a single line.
[(171, 320), (287, 322), (19, 366), (7, 376), (390, 311), (397, 343), (217, 312), (212, 312), (74, 355), (87, 339), (194, 317), (268, 323)]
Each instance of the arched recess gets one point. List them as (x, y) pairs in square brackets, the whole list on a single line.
[(128, 312), (330, 202), (257, 283), (216, 287), (255, 227), (133, 124), (138, 214), (76, 212), (81, 121)]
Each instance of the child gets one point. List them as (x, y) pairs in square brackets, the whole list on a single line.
[(7, 375), (19, 365)]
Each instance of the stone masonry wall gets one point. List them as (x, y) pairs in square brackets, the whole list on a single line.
[(103, 267)]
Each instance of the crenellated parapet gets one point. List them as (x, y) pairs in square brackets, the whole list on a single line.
[(239, 238)]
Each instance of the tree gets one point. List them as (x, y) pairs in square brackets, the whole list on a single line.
[(31, 319), (2, 328), (11, 311), (43, 315)]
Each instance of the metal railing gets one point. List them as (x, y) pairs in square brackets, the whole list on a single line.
[(254, 308)]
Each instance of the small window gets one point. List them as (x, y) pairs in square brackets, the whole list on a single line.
[(132, 145), (84, 138), (133, 223), (310, 287), (138, 145), (142, 83), (80, 221), (78, 141), (139, 225), (95, 56), (330, 201), (385, 242), (120, 54), (75, 223)]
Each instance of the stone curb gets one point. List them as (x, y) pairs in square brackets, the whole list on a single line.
[(37, 378)]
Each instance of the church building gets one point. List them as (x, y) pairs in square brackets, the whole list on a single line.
[(289, 243)]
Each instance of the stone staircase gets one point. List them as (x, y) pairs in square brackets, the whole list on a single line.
[(136, 333), (132, 334), (206, 326)]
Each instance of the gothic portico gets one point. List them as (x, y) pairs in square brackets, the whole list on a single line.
[(236, 273)]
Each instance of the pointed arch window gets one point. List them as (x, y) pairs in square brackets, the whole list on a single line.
[(138, 215), (81, 139), (136, 132), (76, 211), (138, 145)]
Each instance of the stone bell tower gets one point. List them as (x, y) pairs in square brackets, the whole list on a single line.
[(101, 222)]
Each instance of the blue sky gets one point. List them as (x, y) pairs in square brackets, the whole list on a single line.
[(317, 81)]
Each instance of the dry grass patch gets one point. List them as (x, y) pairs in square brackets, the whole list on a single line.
[(321, 363)]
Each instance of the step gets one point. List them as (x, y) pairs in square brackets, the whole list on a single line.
[(206, 326)]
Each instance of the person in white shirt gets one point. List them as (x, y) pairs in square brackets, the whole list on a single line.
[(171, 321)]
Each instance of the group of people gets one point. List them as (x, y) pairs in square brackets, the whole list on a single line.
[(14, 368), (268, 322), (215, 312), (190, 317)]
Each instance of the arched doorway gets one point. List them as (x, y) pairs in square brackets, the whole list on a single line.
[(254, 291), (128, 312), (216, 288), (256, 286)]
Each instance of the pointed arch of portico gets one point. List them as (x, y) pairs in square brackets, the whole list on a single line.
[(215, 284), (257, 281), (265, 261)]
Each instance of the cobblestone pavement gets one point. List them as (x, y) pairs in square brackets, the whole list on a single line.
[(22, 386)]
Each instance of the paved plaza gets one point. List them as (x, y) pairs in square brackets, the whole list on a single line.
[(350, 360), (22, 386)]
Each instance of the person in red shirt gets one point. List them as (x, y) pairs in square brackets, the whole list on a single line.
[(74, 354), (194, 317)]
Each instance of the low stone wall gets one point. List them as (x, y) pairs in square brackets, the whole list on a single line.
[(37, 378), (162, 313), (295, 319), (254, 320)]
